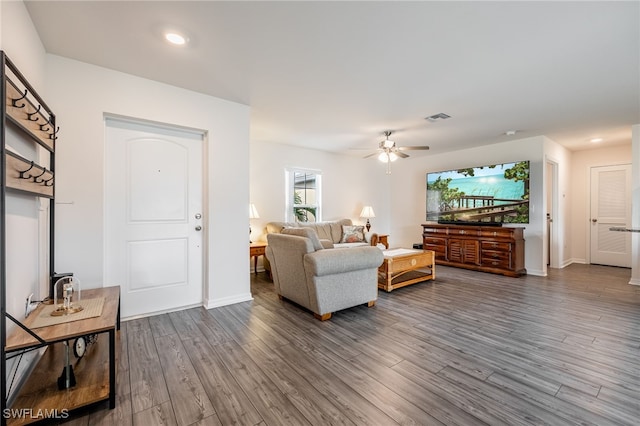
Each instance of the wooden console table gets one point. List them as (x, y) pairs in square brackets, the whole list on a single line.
[(95, 372)]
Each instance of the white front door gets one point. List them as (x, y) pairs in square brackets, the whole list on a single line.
[(610, 207), (153, 224)]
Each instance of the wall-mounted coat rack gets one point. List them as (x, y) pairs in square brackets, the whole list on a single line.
[(27, 176), (23, 108), (32, 120)]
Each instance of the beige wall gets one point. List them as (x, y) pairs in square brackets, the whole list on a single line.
[(581, 163)]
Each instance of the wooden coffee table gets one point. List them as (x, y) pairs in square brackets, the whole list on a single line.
[(401, 268)]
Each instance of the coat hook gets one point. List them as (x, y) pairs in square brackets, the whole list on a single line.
[(35, 178), (46, 181), (53, 135), (14, 102), (31, 114), (22, 176), (42, 126)]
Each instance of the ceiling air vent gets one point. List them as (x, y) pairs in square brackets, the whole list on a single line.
[(436, 117)]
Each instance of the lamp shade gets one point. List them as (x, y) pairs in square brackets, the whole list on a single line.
[(387, 156), (367, 212), (253, 212)]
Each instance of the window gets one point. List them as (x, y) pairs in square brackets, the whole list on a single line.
[(303, 195)]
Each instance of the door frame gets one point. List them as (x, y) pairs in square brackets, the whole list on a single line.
[(551, 249), (205, 199)]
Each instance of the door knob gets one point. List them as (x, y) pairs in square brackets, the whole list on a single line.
[(198, 228), (594, 220), (198, 216)]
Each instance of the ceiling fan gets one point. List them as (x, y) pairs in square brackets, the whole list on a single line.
[(388, 151)]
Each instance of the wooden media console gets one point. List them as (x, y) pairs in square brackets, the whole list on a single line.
[(495, 249)]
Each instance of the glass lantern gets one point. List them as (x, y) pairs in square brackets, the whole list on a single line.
[(67, 295)]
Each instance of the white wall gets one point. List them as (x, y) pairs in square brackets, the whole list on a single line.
[(408, 191), (20, 41), (635, 208), (25, 215), (348, 183), (581, 163), (81, 96), (563, 199)]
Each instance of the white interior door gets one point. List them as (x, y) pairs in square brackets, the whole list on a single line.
[(610, 207), (153, 216)]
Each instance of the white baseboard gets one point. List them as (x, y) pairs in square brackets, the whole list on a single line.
[(536, 272), (634, 281), (215, 303), (572, 261), (164, 311)]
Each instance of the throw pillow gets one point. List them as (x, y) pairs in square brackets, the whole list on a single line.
[(352, 234), (307, 233)]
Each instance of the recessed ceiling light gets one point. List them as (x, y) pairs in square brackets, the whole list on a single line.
[(175, 38), (596, 140), (510, 132)]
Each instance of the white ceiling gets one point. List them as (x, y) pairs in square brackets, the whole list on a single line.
[(335, 75)]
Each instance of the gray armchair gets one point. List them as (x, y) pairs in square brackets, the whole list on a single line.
[(323, 281)]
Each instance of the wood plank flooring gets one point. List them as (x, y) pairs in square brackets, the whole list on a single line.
[(468, 348)]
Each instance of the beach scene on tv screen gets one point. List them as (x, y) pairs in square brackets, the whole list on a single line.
[(497, 193)]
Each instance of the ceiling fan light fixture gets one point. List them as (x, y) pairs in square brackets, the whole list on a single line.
[(388, 143), (387, 156)]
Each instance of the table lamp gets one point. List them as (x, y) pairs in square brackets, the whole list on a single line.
[(367, 212), (253, 214)]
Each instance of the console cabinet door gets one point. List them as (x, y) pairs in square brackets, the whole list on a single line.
[(464, 251)]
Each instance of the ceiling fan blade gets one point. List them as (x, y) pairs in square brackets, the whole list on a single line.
[(415, 148), (401, 154), (370, 155)]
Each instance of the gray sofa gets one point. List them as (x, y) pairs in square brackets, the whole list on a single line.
[(329, 233), (323, 281)]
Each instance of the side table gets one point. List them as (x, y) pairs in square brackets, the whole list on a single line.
[(384, 239), (255, 251)]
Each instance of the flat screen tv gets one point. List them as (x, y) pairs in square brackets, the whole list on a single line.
[(485, 195)]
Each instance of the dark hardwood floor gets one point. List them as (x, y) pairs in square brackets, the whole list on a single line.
[(469, 348)]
